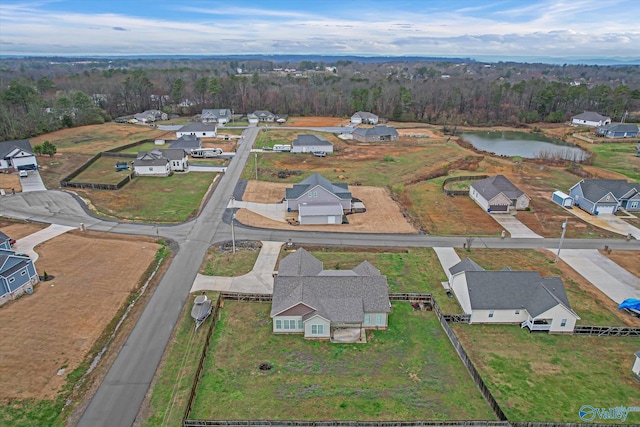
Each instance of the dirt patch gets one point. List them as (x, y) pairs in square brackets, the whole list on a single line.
[(383, 215), (316, 121), (625, 259), (18, 230), (94, 275), (9, 181)]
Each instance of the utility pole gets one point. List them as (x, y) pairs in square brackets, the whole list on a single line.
[(564, 230), (233, 219), (256, 158)]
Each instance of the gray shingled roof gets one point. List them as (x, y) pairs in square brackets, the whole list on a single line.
[(263, 113), (494, 185), (595, 189), (186, 142), (466, 264), (3, 237), (365, 115), (591, 116), (339, 189), (513, 290), (300, 263), (218, 113), (12, 263), (381, 130), (365, 268), (8, 146), (310, 140), (197, 127), (619, 127), (174, 153)]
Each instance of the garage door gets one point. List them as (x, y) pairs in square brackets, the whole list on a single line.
[(605, 209), (499, 208)]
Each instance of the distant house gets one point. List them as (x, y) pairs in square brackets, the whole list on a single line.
[(5, 242), (606, 196), (252, 119), (311, 143), (590, 118), (521, 297), (328, 304), (17, 275), (150, 116), (618, 130), (498, 194), (318, 201), (375, 134), (200, 130), (187, 142), (219, 116), (16, 153), (364, 117), (264, 116)]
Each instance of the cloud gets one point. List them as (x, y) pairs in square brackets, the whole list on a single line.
[(119, 29)]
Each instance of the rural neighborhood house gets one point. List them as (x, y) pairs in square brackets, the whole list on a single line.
[(310, 144), (328, 304), (606, 196), (14, 154), (200, 130), (364, 117), (17, 272), (590, 118), (375, 134), (318, 201), (218, 116), (150, 116), (497, 194), (618, 130)]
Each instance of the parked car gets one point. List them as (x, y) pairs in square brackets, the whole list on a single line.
[(23, 173), (27, 167), (319, 153)]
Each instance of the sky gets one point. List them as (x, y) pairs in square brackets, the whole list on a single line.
[(498, 29)]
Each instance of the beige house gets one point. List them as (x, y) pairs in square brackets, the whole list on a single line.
[(497, 194)]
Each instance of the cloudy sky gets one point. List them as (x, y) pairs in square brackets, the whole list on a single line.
[(500, 28)]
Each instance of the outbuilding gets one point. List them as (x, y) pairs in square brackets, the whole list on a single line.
[(310, 144), (564, 200)]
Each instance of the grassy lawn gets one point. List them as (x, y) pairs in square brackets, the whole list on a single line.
[(270, 137), (171, 199), (541, 377), (144, 147), (619, 157), (227, 264), (409, 372), (173, 380), (593, 307), (103, 171)]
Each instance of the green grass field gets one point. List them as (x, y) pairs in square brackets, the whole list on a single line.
[(542, 377), (409, 372), (618, 157), (218, 263), (103, 171)]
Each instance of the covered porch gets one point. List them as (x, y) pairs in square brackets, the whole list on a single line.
[(537, 324)]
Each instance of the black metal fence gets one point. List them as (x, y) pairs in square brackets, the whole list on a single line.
[(460, 178)]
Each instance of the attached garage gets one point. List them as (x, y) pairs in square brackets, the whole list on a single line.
[(498, 208), (605, 209), (320, 214)]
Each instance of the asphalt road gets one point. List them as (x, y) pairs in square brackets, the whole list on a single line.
[(118, 399)]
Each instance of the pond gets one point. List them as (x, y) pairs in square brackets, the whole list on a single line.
[(527, 145)]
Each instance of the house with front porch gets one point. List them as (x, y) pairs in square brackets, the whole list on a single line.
[(16, 153), (606, 196), (264, 116), (161, 162), (519, 297), (497, 194), (150, 116), (318, 201), (337, 305), (17, 275)]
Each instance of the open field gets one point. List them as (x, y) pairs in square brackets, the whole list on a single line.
[(316, 121), (223, 263), (409, 372), (593, 306), (281, 135), (175, 198), (103, 171), (94, 275), (542, 377)]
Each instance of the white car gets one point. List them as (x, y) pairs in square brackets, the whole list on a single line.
[(23, 173)]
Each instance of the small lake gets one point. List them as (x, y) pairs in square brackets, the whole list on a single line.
[(527, 145)]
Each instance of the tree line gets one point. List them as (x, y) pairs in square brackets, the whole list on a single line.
[(40, 99)]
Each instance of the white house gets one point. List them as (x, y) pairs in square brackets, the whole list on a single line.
[(152, 163), (220, 116), (17, 153), (200, 130), (590, 118), (520, 297), (364, 117), (310, 144), (318, 201), (498, 194), (149, 116)]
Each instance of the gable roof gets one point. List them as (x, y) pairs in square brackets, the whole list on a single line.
[(154, 157), (216, 113), (595, 189), (365, 115), (186, 142), (591, 116), (310, 140), (466, 264), (6, 147), (381, 130), (494, 185), (174, 153), (339, 189), (263, 113), (3, 237), (619, 127), (197, 127), (341, 296)]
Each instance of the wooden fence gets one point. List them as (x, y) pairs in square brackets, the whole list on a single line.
[(460, 178), (607, 331), (278, 423)]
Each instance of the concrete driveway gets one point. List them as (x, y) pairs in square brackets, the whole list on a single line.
[(616, 282), (516, 229), (26, 244), (606, 221), (33, 182), (257, 281), (274, 211)]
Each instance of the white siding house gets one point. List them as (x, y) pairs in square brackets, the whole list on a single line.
[(590, 118), (200, 130), (16, 153), (498, 194)]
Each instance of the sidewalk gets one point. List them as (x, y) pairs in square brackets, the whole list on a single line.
[(257, 281)]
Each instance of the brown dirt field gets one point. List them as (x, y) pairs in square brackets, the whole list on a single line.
[(383, 215), (55, 169), (316, 121), (18, 230), (9, 181), (629, 260), (94, 275)]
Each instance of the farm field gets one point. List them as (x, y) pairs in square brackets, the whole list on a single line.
[(409, 372), (547, 378), (93, 276)]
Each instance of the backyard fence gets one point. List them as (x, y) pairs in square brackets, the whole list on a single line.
[(278, 423), (607, 331), (460, 178)]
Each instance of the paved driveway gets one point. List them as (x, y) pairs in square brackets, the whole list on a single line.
[(607, 221), (516, 229), (274, 211), (26, 244), (207, 168), (616, 282), (33, 182)]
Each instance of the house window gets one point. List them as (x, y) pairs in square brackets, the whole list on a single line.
[(634, 204), (317, 329), (286, 324), (300, 326), (517, 311), (563, 323), (23, 272), (491, 313), (13, 279), (278, 324), (378, 319), (367, 319), (150, 168)]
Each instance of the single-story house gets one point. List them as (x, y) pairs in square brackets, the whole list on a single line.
[(311, 143), (187, 142), (150, 116), (5, 242), (636, 365), (219, 116), (152, 163), (264, 116), (498, 194), (375, 134), (16, 153), (318, 201), (606, 196), (364, 117), (521, 297), (618, 130), (17, 275), (252, 119), (200, 130), (590, 118), (324, 304)]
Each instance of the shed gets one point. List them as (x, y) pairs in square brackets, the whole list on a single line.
[(562, 199)]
